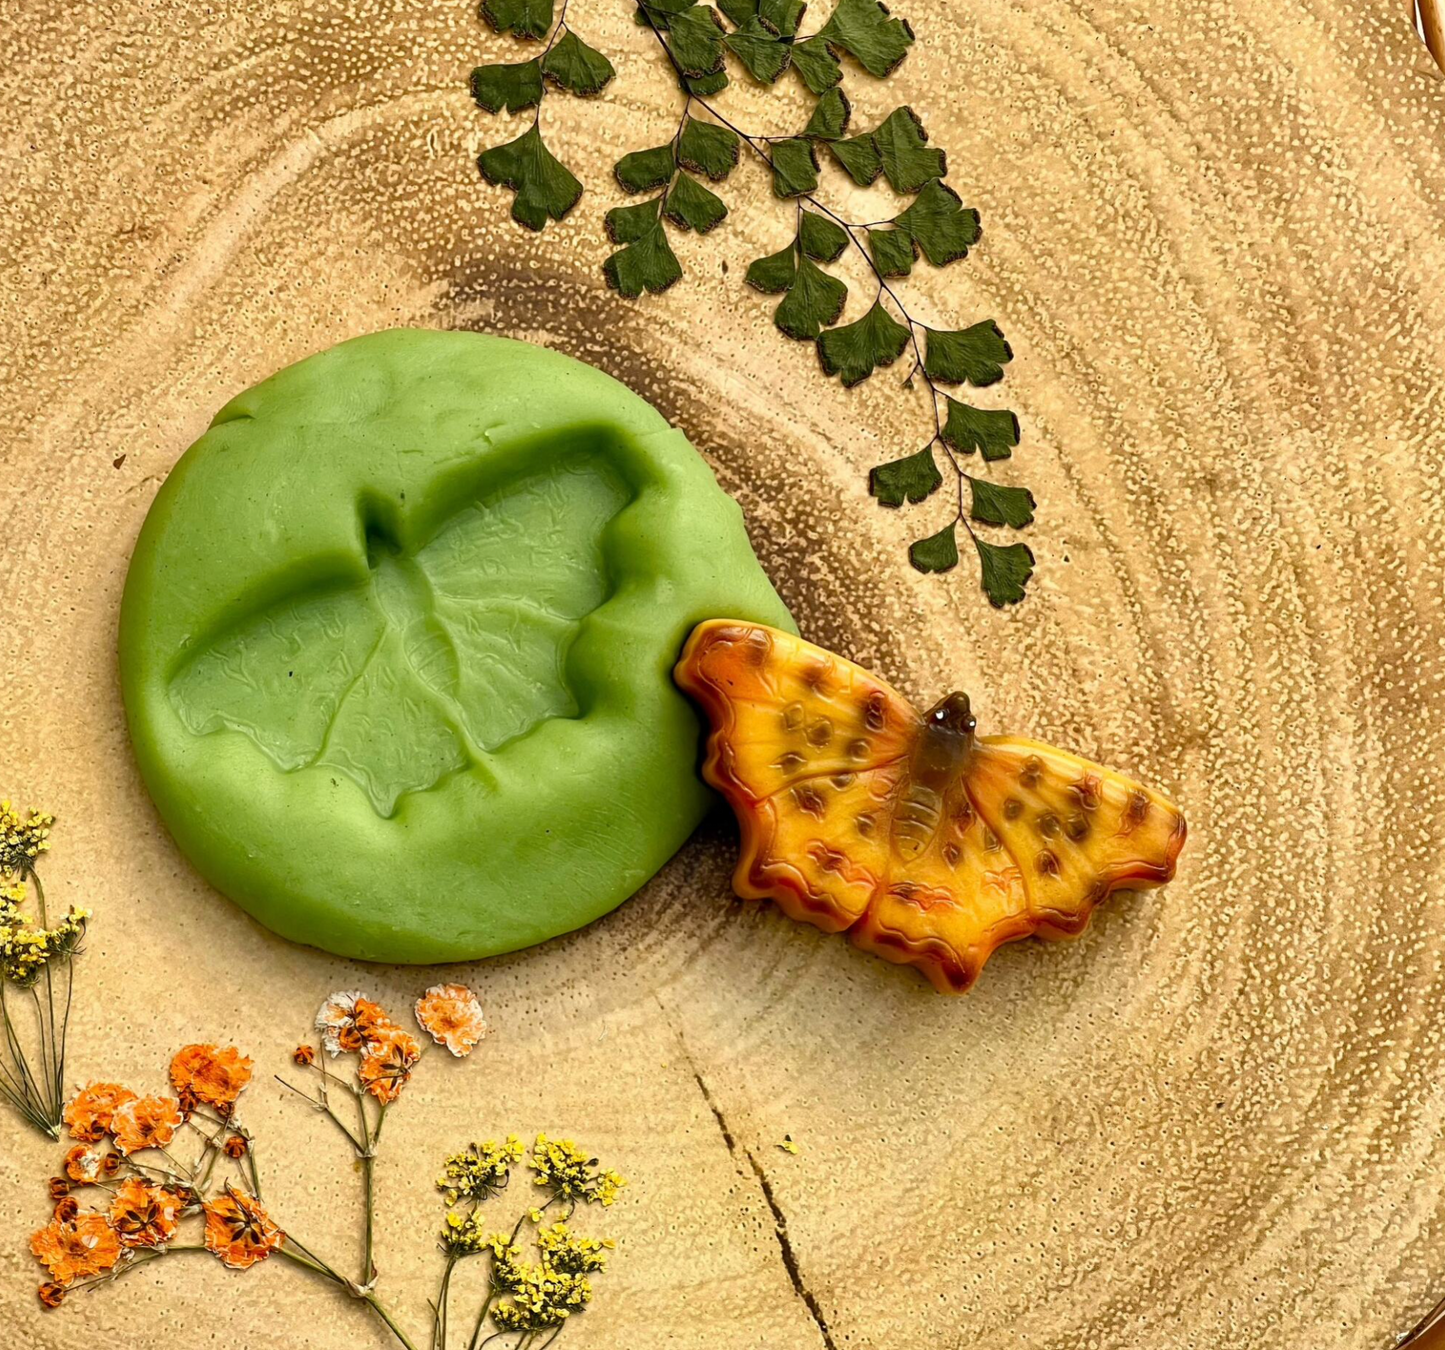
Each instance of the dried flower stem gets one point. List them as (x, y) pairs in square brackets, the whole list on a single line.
[(370, 1137), (28, 957), (365, 1149), (304, 1257), (18, 1082), (439, 1314), (138, 1260), (39, 1099), (324, 1106), (55, 1043)]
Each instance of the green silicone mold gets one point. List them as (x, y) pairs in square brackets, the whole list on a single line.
[(396, 645)]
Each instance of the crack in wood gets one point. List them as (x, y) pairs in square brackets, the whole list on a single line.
[(780, 1220)]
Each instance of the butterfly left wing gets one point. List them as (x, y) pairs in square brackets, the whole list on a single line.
[(809, 750)]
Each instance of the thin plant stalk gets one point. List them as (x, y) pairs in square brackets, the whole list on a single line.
[(444, 1294), (48, 1034), (303, 1256), (37, 1091), (364, 1146)]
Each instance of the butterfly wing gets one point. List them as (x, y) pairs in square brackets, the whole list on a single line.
[(1032, 839), (1077, 830), (808, 749)]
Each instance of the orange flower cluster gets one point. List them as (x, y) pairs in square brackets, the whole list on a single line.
[(87, 1163), (239, 1231), (88, 1114), (202, 1074), (77, 1247), (451, 1015), (144, 1215), (351, 1023), (145, 1122), (145, 1206), (147, 1198)]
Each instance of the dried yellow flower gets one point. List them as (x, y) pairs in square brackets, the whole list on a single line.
[(570, 1252), (479, 1171), (539, 1294), (464, 1234), (570, 1174), (22, 839), (25, 951)]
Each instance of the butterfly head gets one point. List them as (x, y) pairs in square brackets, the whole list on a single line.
[(952, 714)]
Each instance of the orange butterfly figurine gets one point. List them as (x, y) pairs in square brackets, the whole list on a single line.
[(931, 845)]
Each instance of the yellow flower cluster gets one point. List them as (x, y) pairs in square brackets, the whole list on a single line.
[(22, 840), (570, 1252), (25, 950), (539, 1294), (568, 1172), (480, 1170), (465, 1234)]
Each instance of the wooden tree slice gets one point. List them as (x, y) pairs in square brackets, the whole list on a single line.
[(1214, 235)]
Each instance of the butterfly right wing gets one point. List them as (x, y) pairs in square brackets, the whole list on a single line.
[(1077, 830), (1030, 841), (809, 750)]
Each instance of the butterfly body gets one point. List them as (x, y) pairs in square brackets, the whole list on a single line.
[(935, 773), (929, 844)]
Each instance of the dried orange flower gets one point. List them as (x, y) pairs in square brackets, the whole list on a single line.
[(451, 1015), (144, 1215), (89, 1113), (85, 1163), (387, 1065), (303, 1054), (203, 1073), (67, 1209), (74, 1249), (239, 1231), (146, 1122), (235, 1146), (59, 1187), (349, 1021), (51, 1294)]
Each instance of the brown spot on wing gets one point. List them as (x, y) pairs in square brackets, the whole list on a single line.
[(809, 799)]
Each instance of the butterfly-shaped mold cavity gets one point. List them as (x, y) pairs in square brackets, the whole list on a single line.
[(441, 655)]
